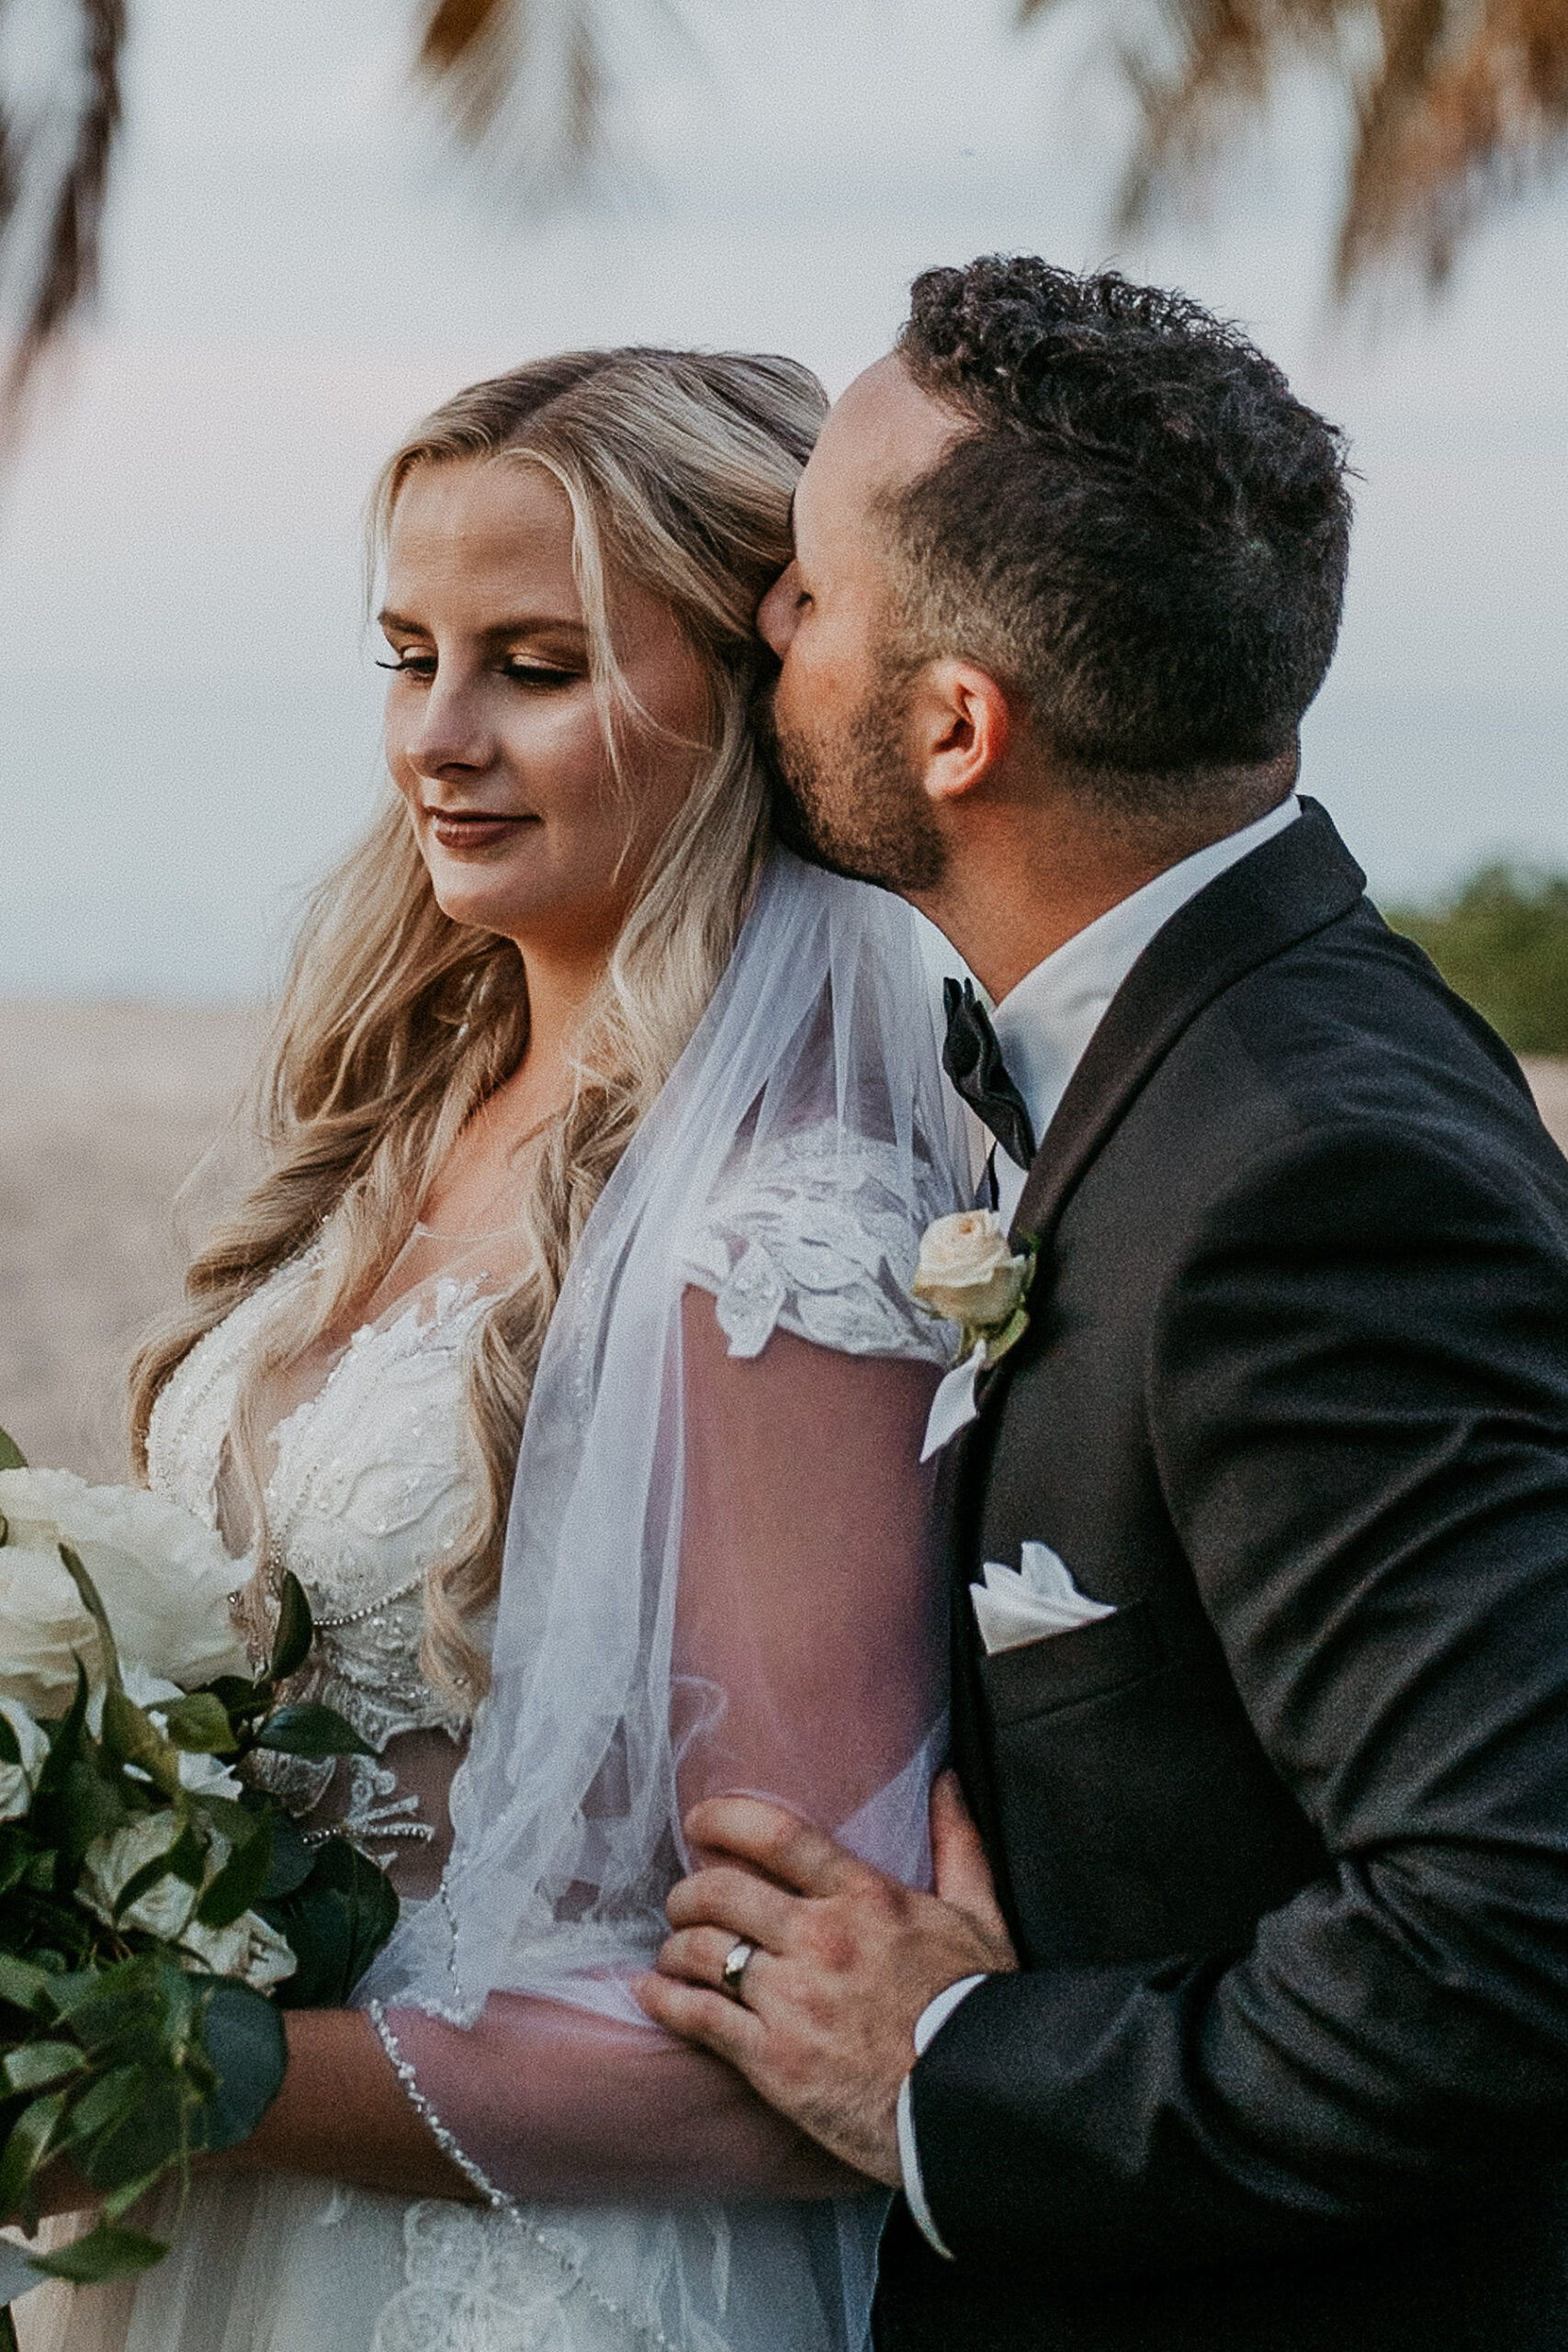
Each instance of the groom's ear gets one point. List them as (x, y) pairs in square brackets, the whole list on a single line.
[(963, 726)]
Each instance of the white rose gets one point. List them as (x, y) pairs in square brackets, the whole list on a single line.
[(110, 1863), (966, 1272), (247, 1948), (16, 1779), (164, 1577)]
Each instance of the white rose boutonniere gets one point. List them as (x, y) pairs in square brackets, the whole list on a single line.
[(968, 1274)]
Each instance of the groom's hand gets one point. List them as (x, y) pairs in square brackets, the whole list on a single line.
[(845, 1960)]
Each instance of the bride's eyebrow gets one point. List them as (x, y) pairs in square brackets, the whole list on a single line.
[(499, 632)]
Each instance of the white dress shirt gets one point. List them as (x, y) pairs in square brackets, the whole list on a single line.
[(1044, 1026)]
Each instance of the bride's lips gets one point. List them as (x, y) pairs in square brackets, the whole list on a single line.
[(461, 829)]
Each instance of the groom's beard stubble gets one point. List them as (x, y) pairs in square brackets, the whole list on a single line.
[(853, 805)]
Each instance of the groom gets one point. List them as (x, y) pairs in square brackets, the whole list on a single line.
[(1242, 2018)]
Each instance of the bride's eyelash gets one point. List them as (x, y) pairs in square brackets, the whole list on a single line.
[(533, 674)]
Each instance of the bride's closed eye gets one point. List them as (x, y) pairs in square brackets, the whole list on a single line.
[(414, 664)]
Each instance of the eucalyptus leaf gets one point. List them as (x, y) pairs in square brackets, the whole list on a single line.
[(105, 2253), (11, 1455), (17, 2277), (311, 1729), (245, 2038), (291, 1643), (199, 1723)]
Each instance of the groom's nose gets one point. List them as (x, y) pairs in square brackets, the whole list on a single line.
[(778, 615)]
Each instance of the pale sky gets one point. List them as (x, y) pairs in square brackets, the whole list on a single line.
[(296, 270)]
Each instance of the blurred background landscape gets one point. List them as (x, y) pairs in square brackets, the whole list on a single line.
[(299, 256)]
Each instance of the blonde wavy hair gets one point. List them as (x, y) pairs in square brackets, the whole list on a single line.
[(396, 1023)]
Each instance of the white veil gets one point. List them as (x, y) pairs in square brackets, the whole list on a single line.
[(791, 1162)]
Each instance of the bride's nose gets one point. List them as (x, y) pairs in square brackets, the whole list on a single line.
[(451, 731)]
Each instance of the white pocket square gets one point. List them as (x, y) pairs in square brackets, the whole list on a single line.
[(1023, 1604)]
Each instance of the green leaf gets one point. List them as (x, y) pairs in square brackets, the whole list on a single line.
[(237, 1697), (103, 2253), (107, 2102), (1013, 1330), (311, 1729), (10, 1746), (291, 1644), (335, 1924), (28, 2147), (91, 1804), (236, 1886), (17, 1854), (67, 1739), (37, 2065), (131, 1735), (17, 2277), (11, 1455), (25, 1987), (199, 1723), (292, 1858), (143, 2137), (96, 1611), (245, 2038)]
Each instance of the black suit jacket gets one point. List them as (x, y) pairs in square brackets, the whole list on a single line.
[(1284, 1841)]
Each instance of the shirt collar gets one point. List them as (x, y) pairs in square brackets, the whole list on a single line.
[(1043, 1024)]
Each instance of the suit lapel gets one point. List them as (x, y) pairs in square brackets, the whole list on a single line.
[(1297, 883)]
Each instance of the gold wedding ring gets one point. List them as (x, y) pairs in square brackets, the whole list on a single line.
[(732, 1977)]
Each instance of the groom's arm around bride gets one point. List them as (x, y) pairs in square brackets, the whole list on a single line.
[(1280, 1835)]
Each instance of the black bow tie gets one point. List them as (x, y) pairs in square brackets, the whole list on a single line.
[(973, 1060)]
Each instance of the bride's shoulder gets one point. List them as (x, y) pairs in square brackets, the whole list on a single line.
[(816, 1232)]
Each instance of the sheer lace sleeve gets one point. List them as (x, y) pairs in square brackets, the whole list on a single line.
[(806, 1665)]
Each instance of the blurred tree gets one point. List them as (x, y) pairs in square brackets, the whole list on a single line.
[(1503, 944), (59, 114), (1457, 105)]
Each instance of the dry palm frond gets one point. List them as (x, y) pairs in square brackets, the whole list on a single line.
[(527, 80), (1456, 104), (59, 114)]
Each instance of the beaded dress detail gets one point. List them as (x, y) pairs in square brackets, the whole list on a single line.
[(370, 1486)]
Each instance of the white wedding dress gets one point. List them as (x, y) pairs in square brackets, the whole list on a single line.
[(628, 2179)]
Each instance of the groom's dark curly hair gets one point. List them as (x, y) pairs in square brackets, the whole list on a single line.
[(1144, 533)]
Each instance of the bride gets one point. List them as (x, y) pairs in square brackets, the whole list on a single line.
[(563, 1351)]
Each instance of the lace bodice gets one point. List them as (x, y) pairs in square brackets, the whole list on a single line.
[(371, 1483)]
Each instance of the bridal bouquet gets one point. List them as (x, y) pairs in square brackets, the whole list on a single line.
[(156, 1911)]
